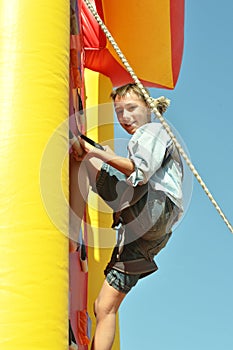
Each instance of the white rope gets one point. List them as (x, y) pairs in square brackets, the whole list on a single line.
[(150, 101)]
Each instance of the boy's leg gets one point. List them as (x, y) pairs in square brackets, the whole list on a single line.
[(82, 176), (106, 307), (116, 286), (77, 201)]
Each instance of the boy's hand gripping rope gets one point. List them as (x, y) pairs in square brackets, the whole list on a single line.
[(150, 101)]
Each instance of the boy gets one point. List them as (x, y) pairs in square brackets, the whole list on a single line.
[(145, 192)]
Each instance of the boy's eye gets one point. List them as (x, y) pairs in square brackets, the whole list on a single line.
[(119, 111), (131, 108)]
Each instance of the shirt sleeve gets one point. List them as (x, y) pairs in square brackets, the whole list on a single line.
[(146, 149)]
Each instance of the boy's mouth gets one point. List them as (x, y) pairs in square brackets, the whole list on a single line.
[(128, 124)]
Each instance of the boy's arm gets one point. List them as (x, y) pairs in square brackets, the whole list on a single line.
[(124, 165)]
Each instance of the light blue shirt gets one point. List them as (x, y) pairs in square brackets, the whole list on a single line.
[(146, 149)]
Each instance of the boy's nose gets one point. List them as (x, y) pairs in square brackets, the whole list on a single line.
[(126, 115)]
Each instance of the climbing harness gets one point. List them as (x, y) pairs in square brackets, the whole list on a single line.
[(151, 103)]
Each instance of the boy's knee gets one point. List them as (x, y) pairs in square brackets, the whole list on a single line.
[(101, 309)]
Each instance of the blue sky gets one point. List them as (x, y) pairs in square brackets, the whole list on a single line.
[(187, 304)]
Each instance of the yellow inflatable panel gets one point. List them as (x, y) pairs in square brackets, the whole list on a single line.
[(34, 46)]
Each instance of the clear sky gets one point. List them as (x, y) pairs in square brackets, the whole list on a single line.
[(188, 303)]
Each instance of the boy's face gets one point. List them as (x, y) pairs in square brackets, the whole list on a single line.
[(131, 112)]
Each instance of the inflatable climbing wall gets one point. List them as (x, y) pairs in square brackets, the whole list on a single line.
[(46, 47)]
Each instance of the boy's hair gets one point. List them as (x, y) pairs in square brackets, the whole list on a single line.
[(123, 90), (161, 103)]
